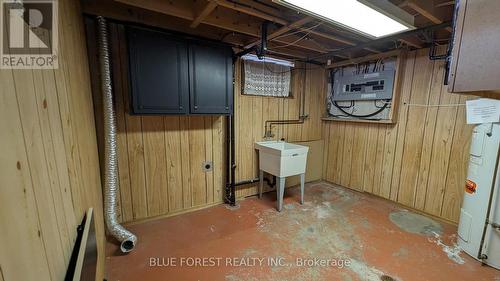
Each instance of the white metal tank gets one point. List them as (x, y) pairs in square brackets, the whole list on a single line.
[(479, 227)]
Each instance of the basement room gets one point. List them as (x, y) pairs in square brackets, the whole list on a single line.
[(249, 140)]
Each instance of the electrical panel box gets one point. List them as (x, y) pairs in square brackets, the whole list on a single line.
[(365, 86)]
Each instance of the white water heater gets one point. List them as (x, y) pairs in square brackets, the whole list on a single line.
[(479, 227)]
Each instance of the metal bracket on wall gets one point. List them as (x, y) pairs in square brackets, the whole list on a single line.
[(429, 36)]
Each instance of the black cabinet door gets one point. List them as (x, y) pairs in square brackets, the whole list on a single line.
[(158, 72), (211, 78)]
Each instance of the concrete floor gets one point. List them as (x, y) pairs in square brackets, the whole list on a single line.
[(356, 236)]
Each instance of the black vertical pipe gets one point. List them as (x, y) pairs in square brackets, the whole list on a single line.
[(230, 191), (230, 194), (228, 159), (233, 163), (263, 41)]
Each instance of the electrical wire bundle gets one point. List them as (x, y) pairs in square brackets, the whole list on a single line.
[(359, 69)]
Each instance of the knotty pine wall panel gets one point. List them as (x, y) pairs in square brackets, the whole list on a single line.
[(49, 160), (159, 157), (251, 112), (421, 161)]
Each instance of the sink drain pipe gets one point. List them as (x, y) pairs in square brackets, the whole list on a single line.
[(126, 238), (230, 194), (231, 184), (257, 179)]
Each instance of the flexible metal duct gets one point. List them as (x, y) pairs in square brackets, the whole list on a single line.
[(126, 238)]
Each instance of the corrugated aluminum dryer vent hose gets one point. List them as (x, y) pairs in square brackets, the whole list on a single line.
[(111, 188)]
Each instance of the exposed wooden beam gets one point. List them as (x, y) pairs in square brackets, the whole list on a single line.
[(282, 30), (336, 39), (329, 36), (426, 9), (261, 6), (385, 39), (412, 42), (303, 44), (117, 11), (273, 48), (175, 9), (250, 11), (287, 53), (393, 53), (279, 20), (444, 4), (209, 7), (183, 9), (293, 25)]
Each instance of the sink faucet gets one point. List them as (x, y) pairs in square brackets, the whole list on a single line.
[(268, 135), (268, 131)]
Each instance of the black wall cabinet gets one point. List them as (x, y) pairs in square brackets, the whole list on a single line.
[(211, 73), (174, 75)]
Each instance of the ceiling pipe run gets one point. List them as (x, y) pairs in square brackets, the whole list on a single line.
[(111, 187), (385, 39)]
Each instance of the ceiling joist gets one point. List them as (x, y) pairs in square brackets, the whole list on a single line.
[(282, 30), (296, 25), (250, 11), (373, 57), (413, 42), (238, 22), (274, 17), (170, 8), (385, 39), (426, 9), (444, 4), (209, 7)]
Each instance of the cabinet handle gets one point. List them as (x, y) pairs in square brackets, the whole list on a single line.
[(295, 154), (195, 107)]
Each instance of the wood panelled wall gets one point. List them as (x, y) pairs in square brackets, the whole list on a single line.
[(48, 154), (159, 157), (251, 112), (421, 161), (160, 164)]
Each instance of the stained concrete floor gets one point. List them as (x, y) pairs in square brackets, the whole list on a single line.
[(354, 235)]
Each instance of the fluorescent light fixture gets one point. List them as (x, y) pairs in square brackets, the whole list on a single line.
[(253, 57), (351, 14)]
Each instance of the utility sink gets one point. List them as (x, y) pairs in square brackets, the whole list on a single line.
[(282, 160)]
